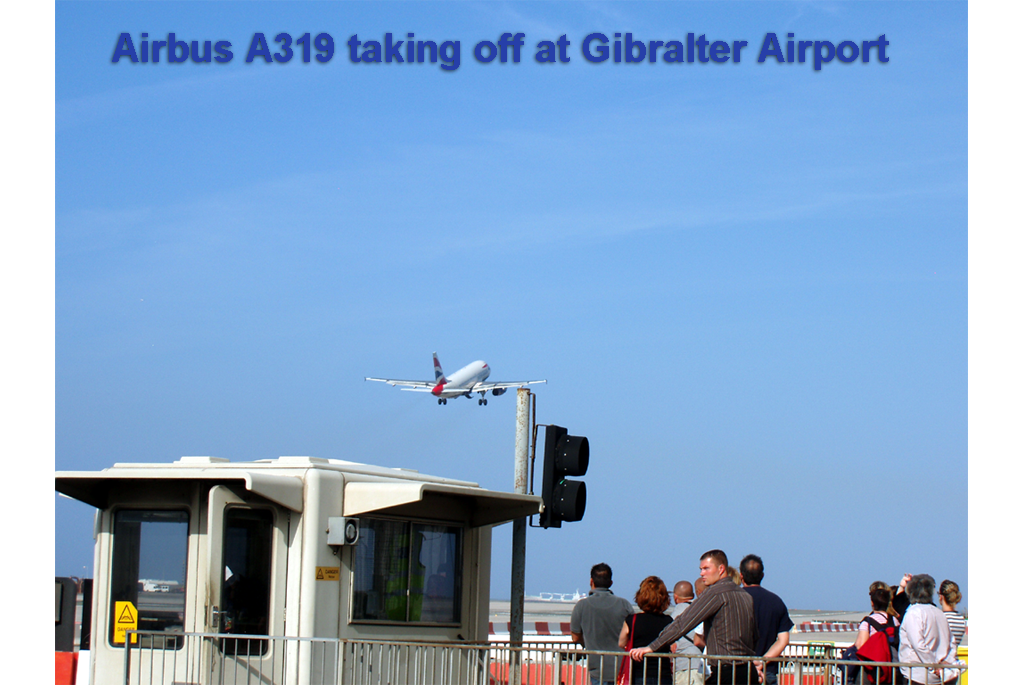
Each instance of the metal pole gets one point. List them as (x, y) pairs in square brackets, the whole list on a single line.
[(522, 474)]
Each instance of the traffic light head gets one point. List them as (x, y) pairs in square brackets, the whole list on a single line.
[(564, 455)]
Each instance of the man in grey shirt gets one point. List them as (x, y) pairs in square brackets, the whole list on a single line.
[(689, 671), (596, 623)]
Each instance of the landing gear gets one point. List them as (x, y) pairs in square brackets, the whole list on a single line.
[(442, 401), (481, 402)]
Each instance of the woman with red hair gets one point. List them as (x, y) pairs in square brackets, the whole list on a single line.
[(639, 630)]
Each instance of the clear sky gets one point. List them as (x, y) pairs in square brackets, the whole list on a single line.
[(746, 283)]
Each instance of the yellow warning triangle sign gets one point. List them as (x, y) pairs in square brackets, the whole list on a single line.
[(126, 615), (319, 573)]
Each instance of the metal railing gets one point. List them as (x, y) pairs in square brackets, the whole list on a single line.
[(218, 659)]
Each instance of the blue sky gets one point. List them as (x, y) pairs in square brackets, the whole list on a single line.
[(746, 283)]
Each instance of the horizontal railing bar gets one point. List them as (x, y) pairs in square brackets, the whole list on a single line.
[(328, 661)]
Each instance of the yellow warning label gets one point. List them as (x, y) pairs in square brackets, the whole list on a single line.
[(328, 573), (126, 618)]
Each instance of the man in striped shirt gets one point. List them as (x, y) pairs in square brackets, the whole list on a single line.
[(729, 626)]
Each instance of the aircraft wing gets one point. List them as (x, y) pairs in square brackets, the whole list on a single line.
[(405, 384), (497, 386)]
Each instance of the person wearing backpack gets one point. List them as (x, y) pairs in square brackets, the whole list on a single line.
[(884, 647), (879, 617)]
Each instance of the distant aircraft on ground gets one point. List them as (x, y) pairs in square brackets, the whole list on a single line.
[(463, 383)]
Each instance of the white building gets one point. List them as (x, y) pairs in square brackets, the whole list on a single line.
[(268, 548)]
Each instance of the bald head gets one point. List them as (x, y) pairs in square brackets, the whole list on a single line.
[(699, 585), (683, 591)]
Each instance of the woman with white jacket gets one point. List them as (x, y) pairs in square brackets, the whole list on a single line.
[(925, 636)]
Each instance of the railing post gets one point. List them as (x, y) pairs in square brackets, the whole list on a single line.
[(127, 656)]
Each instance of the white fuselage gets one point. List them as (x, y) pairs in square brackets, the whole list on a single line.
[(462, 381)]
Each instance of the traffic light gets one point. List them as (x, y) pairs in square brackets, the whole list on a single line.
[(564, 455)]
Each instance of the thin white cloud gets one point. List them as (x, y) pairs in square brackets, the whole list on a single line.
[(124, 102), (607, 11), (803, 7), (509, 18)]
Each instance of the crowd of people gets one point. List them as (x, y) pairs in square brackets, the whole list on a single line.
[(726, 613), (916, 631)]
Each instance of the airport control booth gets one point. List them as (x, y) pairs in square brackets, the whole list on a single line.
[(316, 553)]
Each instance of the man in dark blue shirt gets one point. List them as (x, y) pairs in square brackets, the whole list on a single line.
[(773, 622)]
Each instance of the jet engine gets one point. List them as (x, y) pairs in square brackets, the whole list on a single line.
[(498, 391)]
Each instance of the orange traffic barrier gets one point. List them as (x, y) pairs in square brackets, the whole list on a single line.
[(66, 665), (808, 678), (536, 674)]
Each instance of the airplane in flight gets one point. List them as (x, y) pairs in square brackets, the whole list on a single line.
[(463, 383)]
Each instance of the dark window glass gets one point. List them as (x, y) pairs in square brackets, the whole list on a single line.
[(245, 589), (407, 572), (150, 559), (435, 586)]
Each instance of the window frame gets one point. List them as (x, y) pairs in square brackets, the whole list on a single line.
[(171, 639), (237, 643), (458, 567)]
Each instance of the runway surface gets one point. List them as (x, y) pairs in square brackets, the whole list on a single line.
[(838, 627)]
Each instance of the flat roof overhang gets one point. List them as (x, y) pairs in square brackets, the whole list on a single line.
[(412, 499), (95, 488), (407, 499)]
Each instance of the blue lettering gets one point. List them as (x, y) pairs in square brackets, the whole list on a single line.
[(124, 48), (258, 48), (223, 54), (819, 58), (172, 50), (771, 48), (602, 50)]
